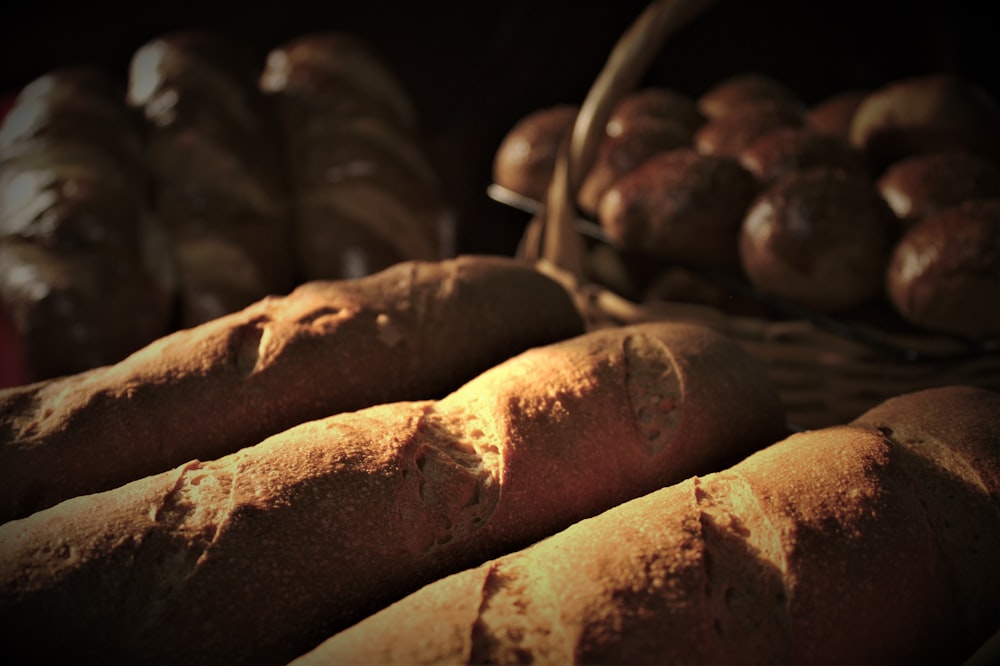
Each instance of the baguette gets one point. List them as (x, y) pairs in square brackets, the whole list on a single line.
[(364, 192), (79, 271), (257, 556), (870, 543), (416, 330), (214, 160)]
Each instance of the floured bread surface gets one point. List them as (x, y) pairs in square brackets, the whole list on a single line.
[(826, 547), (258, 556), (415, 331)]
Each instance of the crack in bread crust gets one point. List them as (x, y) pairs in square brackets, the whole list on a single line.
[(655, 391), (455, 466), (191, 517)]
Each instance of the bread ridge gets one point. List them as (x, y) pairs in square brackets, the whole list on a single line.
[(857, 574), (326, 347), (257, 556)]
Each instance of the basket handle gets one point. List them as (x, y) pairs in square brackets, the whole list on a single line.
[(560, 245)]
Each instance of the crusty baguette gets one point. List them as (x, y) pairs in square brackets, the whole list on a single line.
[(257, 556), (416, 330), (218, 186), (873, 543), (364, 193), (79, 276)]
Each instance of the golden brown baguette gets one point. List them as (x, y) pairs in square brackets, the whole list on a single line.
[(257, 556), (873, 543), (416, 330)]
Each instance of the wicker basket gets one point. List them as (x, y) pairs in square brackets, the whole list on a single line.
[(826, 374)]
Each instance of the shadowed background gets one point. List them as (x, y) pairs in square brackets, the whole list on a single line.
[(474, 68)]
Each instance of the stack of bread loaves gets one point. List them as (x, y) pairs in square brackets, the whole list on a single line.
[(205, 180), (364, 194), (218, 187), (257, 555), (77, 244), (813, 206)]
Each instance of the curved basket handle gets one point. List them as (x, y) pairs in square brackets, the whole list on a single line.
[(628, 61)]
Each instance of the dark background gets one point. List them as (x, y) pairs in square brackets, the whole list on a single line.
[(474, 68)]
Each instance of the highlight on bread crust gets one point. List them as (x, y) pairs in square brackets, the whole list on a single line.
[(416, 330), (865, 543), (259, 555)]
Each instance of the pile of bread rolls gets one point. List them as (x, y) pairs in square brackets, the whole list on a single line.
[(438, 464), (888, 197), (198, 182)]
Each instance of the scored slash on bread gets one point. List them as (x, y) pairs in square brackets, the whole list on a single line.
[(873, 542), (259, 555)]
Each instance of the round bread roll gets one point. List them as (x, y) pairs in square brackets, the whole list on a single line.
[(944, 273), (747, 87), (833, 115), (681, 206), (619, 154), (819, 238), (527, 154), (787, 149), (657, 102), (731, 133), (924, 114), (920, 185)]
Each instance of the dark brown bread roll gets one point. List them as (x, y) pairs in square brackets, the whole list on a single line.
[(786, 149), (833, 115), (218, 186), (682, 206), (819, 238), (729, 134), (416, 330), (617, 155), (80, 270), (920, 185), (655, 102), (930, 113), (944, 273), (748, 88), (526, 156), (364, 192), (256, 557), (872, 543)]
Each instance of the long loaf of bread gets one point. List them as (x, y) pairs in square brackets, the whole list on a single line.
[(258, 556), (873, 543), (364, 192), (218, 186), (417, 330), (80, 273)]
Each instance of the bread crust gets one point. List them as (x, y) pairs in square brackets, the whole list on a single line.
[(259, 555), (830, 546), (416, 330)]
